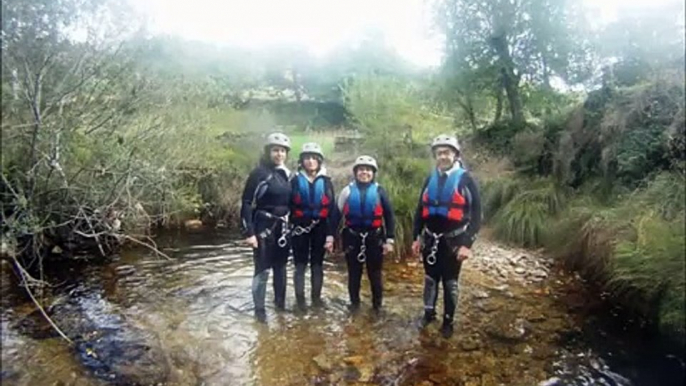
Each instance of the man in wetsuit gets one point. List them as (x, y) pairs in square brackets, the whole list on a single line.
[(447, 220)]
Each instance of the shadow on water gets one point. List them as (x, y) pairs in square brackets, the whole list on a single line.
[(141, 319)]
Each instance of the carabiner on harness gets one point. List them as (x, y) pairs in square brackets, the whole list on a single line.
[(298, 230), (431, 258), (362, 256), (283, 239)]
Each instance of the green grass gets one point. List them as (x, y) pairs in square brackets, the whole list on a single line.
[(522, 210)]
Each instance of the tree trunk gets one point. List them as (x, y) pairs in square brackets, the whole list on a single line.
[(498, 103), (471, 115), (468, 108), (510, 79)]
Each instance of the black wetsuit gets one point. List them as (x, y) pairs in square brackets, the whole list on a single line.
[(308, 237), (446, 268), (374, 238), (268, 188)]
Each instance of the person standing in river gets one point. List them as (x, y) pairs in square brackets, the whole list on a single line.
[(368, 232), (264, 221), (313, 214), (447, 220)]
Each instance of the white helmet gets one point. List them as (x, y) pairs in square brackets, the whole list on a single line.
[(446, 140), (278, 139), (312, 148), (365, 160)]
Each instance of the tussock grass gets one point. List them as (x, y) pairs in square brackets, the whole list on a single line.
[(635, 248), (522, 210)]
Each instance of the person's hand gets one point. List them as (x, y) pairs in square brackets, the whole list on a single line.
[(464, 253), (328, 246), (251, 241), (416, 246), (387, 248)]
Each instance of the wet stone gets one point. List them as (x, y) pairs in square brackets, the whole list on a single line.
[(354, 360), (439, 379), (541, 353), (507, 329), (536, 318), (488, 380), (473, 382), (487, 306), (366, 372), (470, 344), (324, 362), (550, 382)]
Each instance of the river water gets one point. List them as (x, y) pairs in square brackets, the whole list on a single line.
[(143, 319)]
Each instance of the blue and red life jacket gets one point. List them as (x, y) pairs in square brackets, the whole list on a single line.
[(363, 213), (448, 202), (311, 203)]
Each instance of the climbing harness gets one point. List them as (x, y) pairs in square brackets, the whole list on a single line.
[(362, 256), (431, 258), (298, 230), (282, 241)]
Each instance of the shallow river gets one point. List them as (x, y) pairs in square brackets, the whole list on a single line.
[(142, 319)]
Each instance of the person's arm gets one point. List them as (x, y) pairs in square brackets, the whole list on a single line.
[(340, 204), (472, 190), (388, 215), (418, 221), (333, 218), (247, 228), (291, 201)]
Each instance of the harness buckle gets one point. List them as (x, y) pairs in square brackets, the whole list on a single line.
[(431, 258), (362, 256), (283, 239)]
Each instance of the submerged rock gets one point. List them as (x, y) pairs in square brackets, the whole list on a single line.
[(106, 343), (323, 361)]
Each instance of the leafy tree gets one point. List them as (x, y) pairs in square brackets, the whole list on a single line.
[(503, 44)]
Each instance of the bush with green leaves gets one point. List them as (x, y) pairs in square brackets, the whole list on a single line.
[(403, 177)]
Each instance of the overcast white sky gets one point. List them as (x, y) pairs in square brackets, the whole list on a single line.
[(319, 25)]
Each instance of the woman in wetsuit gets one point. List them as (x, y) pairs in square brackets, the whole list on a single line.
[(368, 232), (313, 214), (264, 221)]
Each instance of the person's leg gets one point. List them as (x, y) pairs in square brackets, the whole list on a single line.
[(301, 253), (278, 259), (375, 271), (261, 276), (450, 274), (432, 278), (318, 239), (351, 245)]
